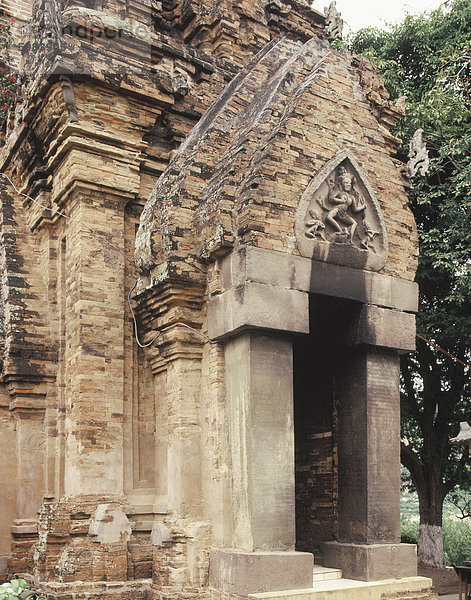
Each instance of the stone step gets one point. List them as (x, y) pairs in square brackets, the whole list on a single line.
[(321, 573), (348, 589)]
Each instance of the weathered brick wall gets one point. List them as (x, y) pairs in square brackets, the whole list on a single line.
[(103, 590), (104, 416), (316, 493), (246, 166)]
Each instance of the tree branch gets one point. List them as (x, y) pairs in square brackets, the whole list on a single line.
[(464, 510), (412, 462), (410, 395), (452, 481)]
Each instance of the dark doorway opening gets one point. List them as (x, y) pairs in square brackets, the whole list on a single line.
[(318, 361)]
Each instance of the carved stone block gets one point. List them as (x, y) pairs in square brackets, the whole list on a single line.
[(339, 219)]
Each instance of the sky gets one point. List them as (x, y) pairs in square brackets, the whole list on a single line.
[(364, 13)]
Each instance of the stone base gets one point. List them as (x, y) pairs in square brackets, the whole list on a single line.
[(243, 573), (371, 562), (83, 538), (98, 590), (407, 588)]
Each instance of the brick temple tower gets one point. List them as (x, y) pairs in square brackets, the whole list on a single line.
[(219, 171)]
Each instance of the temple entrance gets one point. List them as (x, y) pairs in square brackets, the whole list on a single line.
[(318, 359)]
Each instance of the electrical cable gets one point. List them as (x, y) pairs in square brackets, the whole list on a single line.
[(136, 334), (58, 212), (102, 236), (443, 351), (139, 343), (178, 324)]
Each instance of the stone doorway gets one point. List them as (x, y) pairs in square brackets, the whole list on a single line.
[(317, 362)]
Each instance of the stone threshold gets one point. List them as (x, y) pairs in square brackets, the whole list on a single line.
[(349, 589), (320, 573)]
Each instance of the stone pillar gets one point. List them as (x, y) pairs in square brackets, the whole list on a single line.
[(261, 289), (28, 414), (368, 431), (83, 535), (184, 436), (30, 447), (259, 396), (367, 398), (8, 491), (94, 338), (259, 375)]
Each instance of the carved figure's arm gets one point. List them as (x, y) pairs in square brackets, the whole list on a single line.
[(323, 202), (358, 205)]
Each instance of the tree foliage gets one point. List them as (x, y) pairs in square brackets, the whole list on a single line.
[(428, 59), (8, 76)]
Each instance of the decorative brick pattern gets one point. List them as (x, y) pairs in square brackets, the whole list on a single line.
[(124, 452)]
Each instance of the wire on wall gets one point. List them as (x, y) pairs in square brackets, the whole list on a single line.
[(102, 237)]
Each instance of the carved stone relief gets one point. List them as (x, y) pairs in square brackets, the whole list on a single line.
[(338, 218), (69, 98), (333, 22), (419, 161)]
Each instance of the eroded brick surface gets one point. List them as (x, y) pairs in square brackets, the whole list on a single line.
[(123, 451)]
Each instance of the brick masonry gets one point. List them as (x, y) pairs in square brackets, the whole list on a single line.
[(122, 451)]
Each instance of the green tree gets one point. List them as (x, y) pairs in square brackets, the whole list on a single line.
[(8, 75), (428, 59)]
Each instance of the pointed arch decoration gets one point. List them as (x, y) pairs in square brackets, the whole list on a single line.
[(339, 219)]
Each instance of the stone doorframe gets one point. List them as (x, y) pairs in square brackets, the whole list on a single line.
[(264, 300)]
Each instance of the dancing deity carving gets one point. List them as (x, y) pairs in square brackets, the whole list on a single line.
[(344, 210), (343, 203), (338, 219)]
